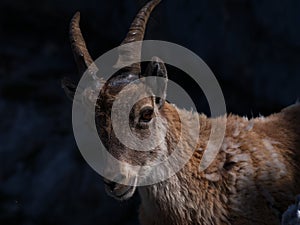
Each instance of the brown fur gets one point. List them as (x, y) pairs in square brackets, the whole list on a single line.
[(256, 172)]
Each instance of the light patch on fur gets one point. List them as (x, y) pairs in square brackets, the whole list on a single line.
[(245, 118), (276, 160), (261, 117), (250, 126), (229, 146), (212, 177), (241, 158), (237, 130)]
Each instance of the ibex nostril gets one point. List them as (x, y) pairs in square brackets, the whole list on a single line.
[(110, 185)]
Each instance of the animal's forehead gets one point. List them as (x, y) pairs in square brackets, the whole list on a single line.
[(115, 84), (129, 86), (128, 97), (120, 88)]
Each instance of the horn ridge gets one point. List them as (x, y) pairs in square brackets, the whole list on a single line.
[(136, 33), (138, 26)]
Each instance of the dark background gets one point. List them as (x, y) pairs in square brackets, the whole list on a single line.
[(253, 48)]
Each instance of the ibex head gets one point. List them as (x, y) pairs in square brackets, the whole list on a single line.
[(145, 115)]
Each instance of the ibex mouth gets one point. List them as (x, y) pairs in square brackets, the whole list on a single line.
[(118, 191)]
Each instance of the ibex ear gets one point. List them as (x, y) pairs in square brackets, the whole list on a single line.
[(156, 68), (69, 87)]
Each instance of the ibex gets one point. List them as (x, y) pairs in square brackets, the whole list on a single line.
[(253, 178)]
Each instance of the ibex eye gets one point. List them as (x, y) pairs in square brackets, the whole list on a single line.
[(146, 114)]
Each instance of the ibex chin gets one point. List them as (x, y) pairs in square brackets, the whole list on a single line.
[(253, 178)]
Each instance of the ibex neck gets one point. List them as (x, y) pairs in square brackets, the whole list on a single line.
[(179, 199)]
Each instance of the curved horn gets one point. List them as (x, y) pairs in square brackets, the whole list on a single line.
[(136, 33), (80, 52), (137, 29)]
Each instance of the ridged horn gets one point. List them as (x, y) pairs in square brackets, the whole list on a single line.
[(136, 33), (82, 56)]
